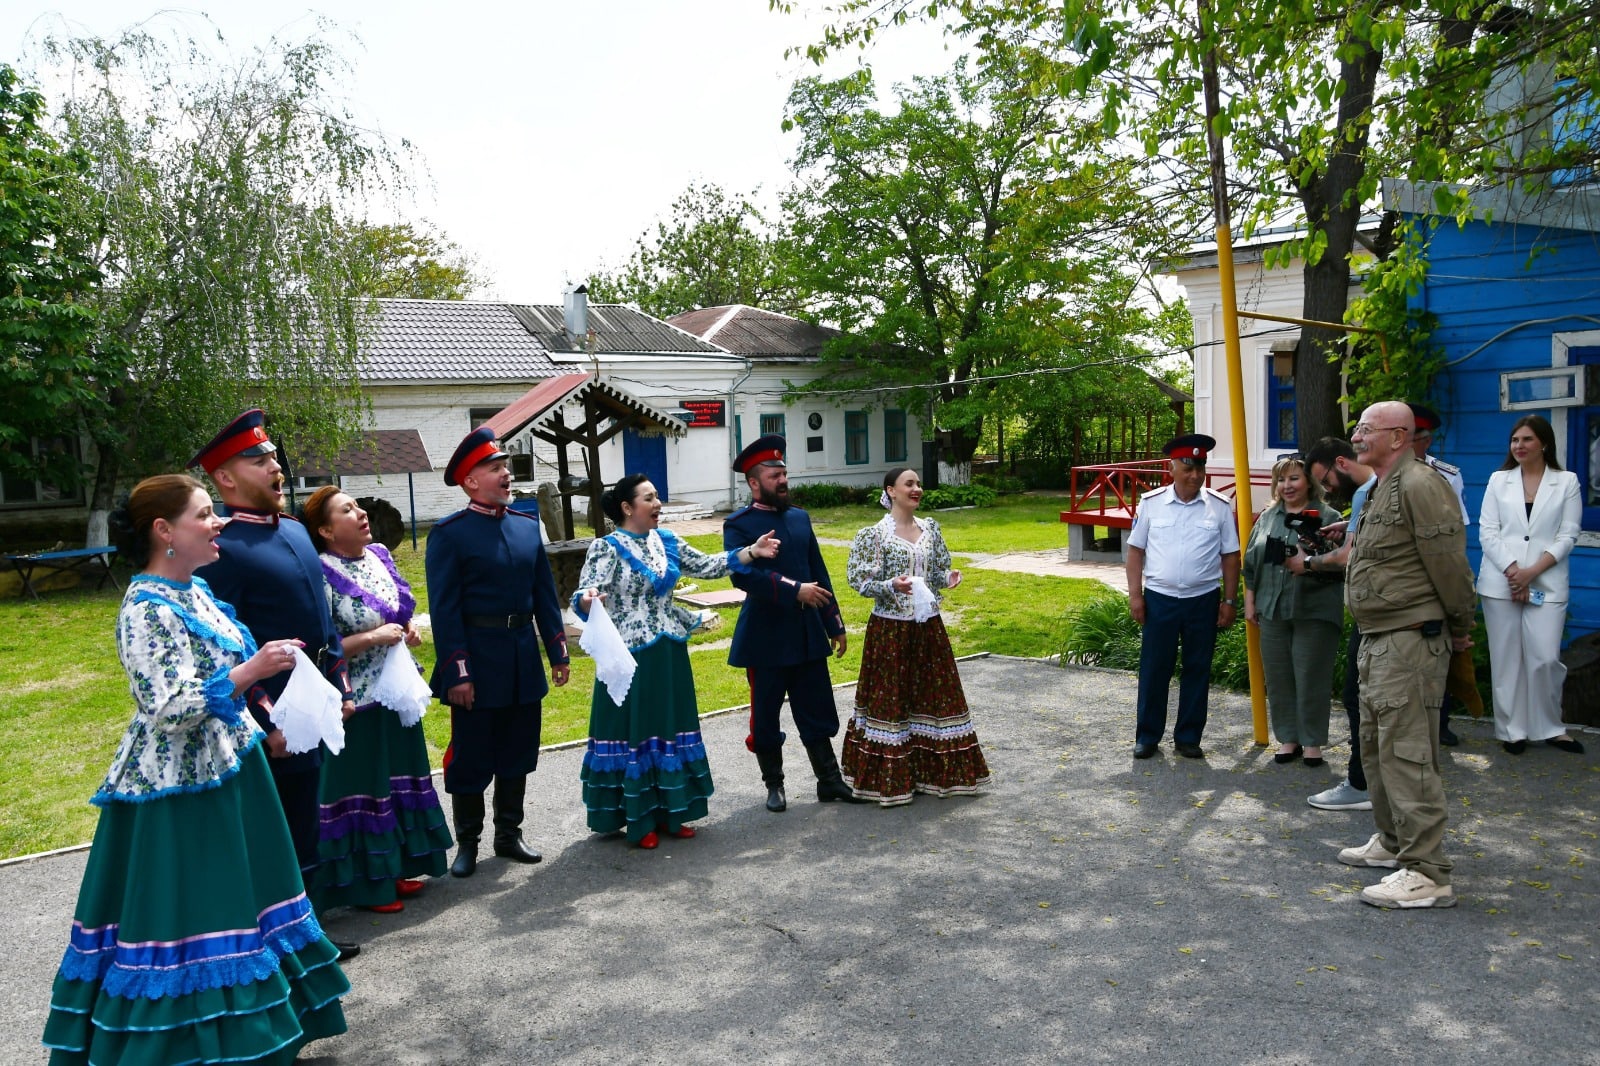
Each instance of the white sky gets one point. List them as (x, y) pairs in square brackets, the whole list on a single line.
[(553, 133)]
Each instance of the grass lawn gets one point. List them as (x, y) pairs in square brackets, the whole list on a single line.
[(68, 703)]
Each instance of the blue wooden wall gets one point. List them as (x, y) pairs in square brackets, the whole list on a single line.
[(1485, 279)]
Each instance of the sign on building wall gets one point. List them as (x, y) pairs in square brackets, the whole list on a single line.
[(706, 414)]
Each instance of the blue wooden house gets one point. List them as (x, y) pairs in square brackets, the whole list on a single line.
[(1516, 291)]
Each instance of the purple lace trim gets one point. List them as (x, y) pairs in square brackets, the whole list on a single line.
[(346, 586)]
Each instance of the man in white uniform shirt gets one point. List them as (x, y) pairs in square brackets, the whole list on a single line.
[(1184, 541)]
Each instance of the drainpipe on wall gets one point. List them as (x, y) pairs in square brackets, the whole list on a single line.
[(733, 440)]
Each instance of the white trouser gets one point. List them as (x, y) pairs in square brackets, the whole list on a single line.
[(1526, 668)]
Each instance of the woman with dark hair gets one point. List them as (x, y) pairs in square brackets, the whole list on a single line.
[(645, 770), (1532, 513), (381, 824), (911, 731), (192, 939), (1301, 618)]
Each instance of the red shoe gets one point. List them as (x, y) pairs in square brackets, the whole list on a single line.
[(407, 886), (387, 908), (684, 832), (649, 840)]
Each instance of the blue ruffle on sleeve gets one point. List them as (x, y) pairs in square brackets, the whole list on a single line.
[(220, 700)]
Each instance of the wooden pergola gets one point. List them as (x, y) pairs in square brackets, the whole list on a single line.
[(607, 411)]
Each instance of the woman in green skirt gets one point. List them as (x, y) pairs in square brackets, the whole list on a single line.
[(645, 771), (192, 940), (382, 826)]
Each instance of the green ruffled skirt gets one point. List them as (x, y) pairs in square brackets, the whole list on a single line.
[(645, 768), (380, 814), (193, 940)]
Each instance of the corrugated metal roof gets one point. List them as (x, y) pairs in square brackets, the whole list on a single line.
[(617, 329), (757, 334), (539, 404), (452, 340)]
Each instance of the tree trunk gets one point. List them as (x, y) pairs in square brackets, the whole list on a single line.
[(108, 460)]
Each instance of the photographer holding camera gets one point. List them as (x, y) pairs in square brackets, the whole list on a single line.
[(1300, 614)]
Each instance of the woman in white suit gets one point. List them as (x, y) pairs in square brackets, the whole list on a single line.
[(1532, 512)]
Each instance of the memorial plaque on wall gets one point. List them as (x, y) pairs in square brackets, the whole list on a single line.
[(706, 414)]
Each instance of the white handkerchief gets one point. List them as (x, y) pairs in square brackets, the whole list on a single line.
[(924, 604), (308, 711), (400, 686), (613, 662)]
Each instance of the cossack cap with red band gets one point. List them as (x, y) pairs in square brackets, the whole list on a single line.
[(763, 451), (476, 447), (1190, 449), (245, 435), (1427, 419)]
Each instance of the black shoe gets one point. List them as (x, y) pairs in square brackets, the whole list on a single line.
[(771, 762), (1190, 751), (347, 951), (1514, 747), (1448, 738), (777, 802), (1566, 744), (830, 784), (1145, 751), (466, 860), (514, 849), (1283, 757), (1314, 761)]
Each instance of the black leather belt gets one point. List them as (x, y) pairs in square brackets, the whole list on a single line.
[(499, 621)]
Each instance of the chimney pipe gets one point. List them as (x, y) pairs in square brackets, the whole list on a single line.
[(576, 316)]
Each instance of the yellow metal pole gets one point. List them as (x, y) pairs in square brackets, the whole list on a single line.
[(1244, 509)]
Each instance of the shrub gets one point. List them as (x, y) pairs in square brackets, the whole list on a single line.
[(1004, 484), (958, 496), (813, 494)]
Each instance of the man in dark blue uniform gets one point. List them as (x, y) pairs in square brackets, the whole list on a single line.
[(270, 573), (786, 627), (489, 582)]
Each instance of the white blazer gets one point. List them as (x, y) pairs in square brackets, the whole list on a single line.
[(1508, 534)]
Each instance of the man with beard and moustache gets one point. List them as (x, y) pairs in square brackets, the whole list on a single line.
[(787, 625), (489, 582), (1410, 589), (1332, 461), (270, 574)]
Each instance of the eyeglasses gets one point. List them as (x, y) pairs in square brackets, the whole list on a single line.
[(1365, 428)]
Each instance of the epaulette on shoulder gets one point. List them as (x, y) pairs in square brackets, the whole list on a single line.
[(1158, 491), (1440, 465), (1217, 495), (291, 517), (740, 513), (525, 514), (451, 517)]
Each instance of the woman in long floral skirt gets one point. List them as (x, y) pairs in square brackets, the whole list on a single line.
[(645, 771), (382, 825), (192, 940), (911, 731)]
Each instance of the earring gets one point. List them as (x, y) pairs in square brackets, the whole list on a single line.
[(170, 553)]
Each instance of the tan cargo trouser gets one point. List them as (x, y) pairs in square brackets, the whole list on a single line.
[(1402, 685)]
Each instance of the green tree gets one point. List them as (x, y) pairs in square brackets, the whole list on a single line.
[(411, 260), (712, 249), (47, 277), (959, 239), (1319, 102), (218, 190)]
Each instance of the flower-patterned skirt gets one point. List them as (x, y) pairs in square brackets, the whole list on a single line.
[(192, 939), (911, 731), (645, 768)]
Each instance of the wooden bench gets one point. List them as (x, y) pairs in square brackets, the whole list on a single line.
[(95, 560)]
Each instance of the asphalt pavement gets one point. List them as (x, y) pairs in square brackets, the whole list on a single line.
[(1089, 908)]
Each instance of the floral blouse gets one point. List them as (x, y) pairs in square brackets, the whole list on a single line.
[(878, 556), (637, 575), (363, 594), (177, 643)]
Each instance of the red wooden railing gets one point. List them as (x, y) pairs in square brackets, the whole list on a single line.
[(1107, 494)]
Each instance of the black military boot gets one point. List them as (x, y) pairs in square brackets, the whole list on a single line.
[(771, 762), (466, 808), (830, 785), (508, 797)]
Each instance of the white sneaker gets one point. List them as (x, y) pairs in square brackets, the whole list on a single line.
[(1342, 797), (1372, 853), (1409, 888)]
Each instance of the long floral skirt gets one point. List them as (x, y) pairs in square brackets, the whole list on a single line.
[(192, 940), (911, 731), (645, 767), (380, 814)]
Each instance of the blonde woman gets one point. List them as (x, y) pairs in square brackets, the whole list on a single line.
[(1301, 617)]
